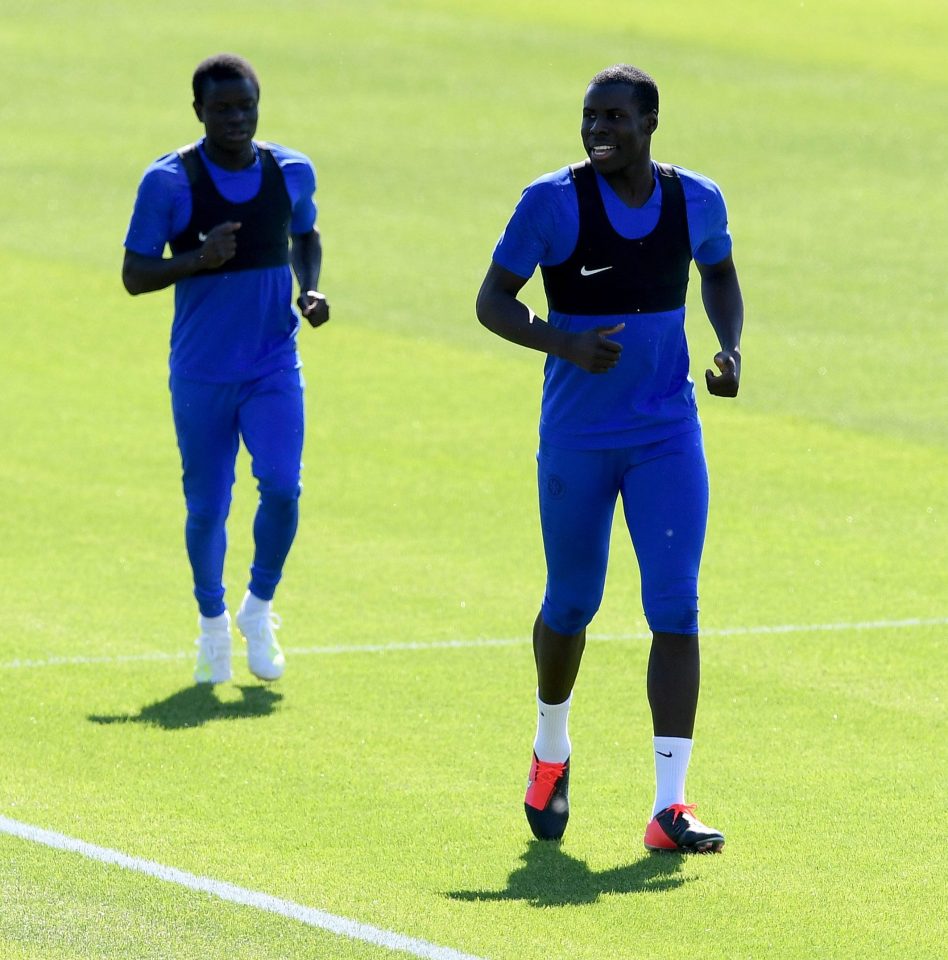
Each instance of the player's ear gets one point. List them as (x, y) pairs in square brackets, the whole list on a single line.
[(651, 121), (198, 110)]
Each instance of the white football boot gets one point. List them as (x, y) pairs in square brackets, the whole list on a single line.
[(265, 659), (213, 659)]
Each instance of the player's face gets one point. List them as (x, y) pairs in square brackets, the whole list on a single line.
[(615, 131), (228, 110)]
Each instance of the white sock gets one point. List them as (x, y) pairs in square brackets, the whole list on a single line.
[(253, 606), (218, 624), (552, 740), (672, 755)]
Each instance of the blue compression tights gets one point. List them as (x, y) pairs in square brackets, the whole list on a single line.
[(210, 419)]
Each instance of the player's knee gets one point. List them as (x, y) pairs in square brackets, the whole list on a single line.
[(206, 514), (672, 615), (671, 603), (568, 618), (280, 491)]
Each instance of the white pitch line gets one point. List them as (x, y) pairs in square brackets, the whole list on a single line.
[(341, 926), (21, 664)]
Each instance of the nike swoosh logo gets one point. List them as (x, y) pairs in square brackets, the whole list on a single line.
[(202, 237), (659, 752), (586, 272)]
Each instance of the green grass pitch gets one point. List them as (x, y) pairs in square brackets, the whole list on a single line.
[(381, 780)]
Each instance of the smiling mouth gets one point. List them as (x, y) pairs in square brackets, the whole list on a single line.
[(601, 151)]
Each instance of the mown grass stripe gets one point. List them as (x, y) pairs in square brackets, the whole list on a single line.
[(341, 926)]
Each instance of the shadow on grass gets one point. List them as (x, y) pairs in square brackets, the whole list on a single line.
[(551, 878), (198, 704)]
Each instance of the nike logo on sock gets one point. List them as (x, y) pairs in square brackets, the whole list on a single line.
[(659, 752)]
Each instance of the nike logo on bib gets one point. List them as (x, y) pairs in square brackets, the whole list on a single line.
[(202, 237), (586, 272)]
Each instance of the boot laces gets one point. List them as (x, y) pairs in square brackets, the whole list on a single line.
[(548, 773), (267, 622), (680, 808)]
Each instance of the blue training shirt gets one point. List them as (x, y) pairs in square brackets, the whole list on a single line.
[(228, 327), (649, 396)]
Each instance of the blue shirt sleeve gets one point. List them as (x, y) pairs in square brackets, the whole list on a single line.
[(543, 228), (300, 177), (707, 218), (162, 207)]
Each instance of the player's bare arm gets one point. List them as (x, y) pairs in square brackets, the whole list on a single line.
[(142, 274), (502, 313), (721, 295), (306, 255)]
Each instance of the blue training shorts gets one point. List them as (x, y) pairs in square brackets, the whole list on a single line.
[(664, 490)]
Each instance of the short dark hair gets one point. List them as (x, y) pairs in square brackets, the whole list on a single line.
[(222, 66), (644, 88)]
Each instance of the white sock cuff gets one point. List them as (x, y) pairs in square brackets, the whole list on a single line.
[(675, 745), (253, 606), (218, 624), (565, 705), (552, 741)]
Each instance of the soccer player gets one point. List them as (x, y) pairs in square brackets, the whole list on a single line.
[(614, 237), (237, 213)]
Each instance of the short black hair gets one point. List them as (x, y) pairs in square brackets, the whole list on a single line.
[(644, 88), (222, 66)]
